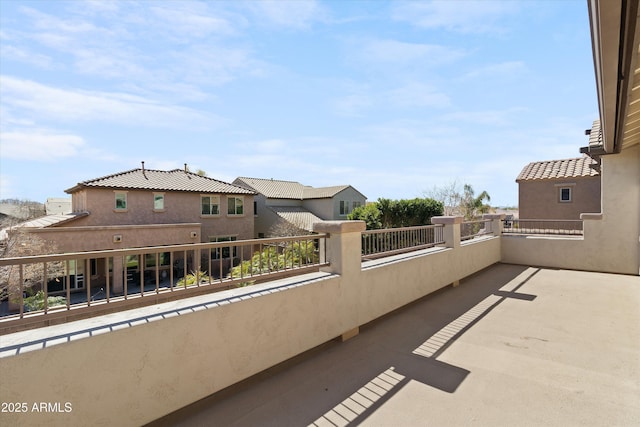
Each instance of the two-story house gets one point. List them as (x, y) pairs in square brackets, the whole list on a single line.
[(285, 207), (142, 208)]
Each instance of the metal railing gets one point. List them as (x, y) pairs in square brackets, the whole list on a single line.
[(472, 229), (84, 284), (543, 226), (379, 243)]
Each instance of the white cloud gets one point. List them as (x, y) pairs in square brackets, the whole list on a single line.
[(188, 19), (39, 145), (458, 16), (48, 102), (501, 70), (298, 14), (397, 52), (14, 53), (418, 95)]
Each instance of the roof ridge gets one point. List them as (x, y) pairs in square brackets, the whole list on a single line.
[(109, 176), (270, 179)]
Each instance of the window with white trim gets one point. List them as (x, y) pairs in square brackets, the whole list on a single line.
[(235, 205), (120, 200), (344, 207), (565, 194), (210, 205), (158, 201)]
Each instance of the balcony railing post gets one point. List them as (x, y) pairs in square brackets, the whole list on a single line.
[(344, 245), (344, 248), (497, 224), (451, 229)]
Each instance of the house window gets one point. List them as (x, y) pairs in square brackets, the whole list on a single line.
[(344, 207), (163, 259), (255, 208), (225, 251), (210, 205), (121, 200), (565, 194), (158, 201), (356, 205), (235, 206)]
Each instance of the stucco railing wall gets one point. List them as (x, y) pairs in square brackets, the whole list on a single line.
[(164, 357)]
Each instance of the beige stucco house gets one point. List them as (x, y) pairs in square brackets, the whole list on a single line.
[(283, 207), (558, 189)]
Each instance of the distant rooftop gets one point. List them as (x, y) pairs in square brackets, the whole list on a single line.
[(278, 189), (298, 216), (159, 180), (557, 169)]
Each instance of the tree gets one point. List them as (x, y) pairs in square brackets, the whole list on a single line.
[(387, 213), (21, 243), (461, 201), (449, 195), (368, 213), (473, 206)]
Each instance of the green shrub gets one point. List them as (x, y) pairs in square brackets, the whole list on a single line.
[(36, 302)]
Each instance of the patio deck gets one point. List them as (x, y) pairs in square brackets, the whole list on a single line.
[(512, 345)]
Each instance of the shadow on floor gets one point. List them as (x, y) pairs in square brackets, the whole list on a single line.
[(343, 383)]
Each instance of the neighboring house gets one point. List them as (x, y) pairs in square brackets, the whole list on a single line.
[(559, 189), (282, 207), (141, 208), (57, 205)]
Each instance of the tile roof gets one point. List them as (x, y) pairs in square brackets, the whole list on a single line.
[(300, 217), (556, 169), (273, 188), (43, 222), (595, 136), (277, 189), (158, 180), (322, 192)]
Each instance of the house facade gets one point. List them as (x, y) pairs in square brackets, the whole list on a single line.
[(559, 189), (284, 207), (143, 208)]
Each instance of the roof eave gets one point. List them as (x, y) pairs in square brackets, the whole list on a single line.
[(614, 37)]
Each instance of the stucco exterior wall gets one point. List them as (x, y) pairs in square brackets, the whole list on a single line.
[(540, 199), (322, 208), (179, 208), (161, 362), (611, 240), (80, 239)]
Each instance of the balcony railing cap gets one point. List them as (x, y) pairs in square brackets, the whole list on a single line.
[(338, 227), (447, 220), (494, 216)]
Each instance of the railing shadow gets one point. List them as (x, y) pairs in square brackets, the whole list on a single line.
[(342, 384)]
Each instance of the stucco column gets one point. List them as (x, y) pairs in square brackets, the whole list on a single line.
[(497, 225), (451, 231), (344, 254), (343, 246)]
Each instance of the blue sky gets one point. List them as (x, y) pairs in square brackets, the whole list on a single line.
[(393, 98)]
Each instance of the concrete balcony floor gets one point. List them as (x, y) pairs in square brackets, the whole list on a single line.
[(512, 345)]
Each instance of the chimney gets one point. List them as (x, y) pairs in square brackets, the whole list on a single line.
[(143, 171), (185, 168)]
